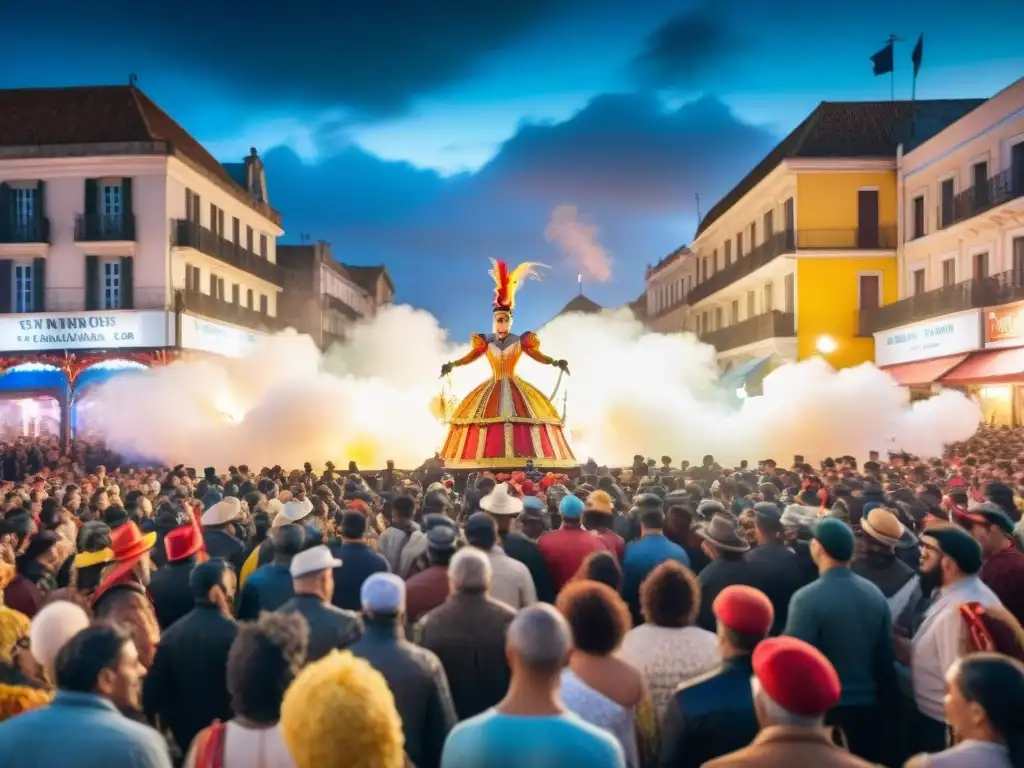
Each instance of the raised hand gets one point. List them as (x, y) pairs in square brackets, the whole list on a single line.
[(562, 365), (447, 368)]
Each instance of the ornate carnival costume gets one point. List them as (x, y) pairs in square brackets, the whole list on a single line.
[(506, 421)]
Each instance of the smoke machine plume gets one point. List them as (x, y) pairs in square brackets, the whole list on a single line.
[(631, 391)]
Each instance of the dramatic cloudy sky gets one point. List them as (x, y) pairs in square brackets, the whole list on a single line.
[(430, 135)]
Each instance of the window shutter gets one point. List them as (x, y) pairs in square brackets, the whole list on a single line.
[(92, 197), (5, 285), (39, 285), (128, 215), (127, 282), (6, 219), (92, 283), (42, 232)]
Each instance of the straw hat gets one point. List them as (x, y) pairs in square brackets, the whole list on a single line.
[(883, 526)]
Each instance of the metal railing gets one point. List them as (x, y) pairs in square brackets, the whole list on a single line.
[(103, 227), (218, 309), (1003, 288), (880, 238), (1004, 186), (770, 325), (188, 234), (32, 230)]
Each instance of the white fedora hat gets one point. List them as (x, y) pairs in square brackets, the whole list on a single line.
[(292, 512), (226, 510), (498, 502)]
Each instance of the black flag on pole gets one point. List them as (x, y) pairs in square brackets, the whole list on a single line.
[(882, 60), (916, 55)]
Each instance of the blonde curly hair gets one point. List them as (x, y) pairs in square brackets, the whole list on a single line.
[(339, 713)]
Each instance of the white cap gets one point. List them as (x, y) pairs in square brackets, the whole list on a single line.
[(314, 560), (383, 593), (52, 627)]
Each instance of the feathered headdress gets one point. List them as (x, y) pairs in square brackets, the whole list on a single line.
[(506, 283)]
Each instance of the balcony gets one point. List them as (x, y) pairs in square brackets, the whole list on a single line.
[(881, 238), (1004, 288), (32, 230), (1001, 188), (104, 228), (188, 234), (218, 309), (771, 325)]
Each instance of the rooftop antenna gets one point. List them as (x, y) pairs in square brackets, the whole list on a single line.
[(579, 281), (696, 196), (133, 79)]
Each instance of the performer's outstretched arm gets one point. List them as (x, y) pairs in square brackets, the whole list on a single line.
[(531, 346), (479, 346)]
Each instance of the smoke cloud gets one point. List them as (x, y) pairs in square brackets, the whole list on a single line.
[(631, 391), (578, 241)]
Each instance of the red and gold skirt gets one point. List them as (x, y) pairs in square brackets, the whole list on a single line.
[(502, 424)]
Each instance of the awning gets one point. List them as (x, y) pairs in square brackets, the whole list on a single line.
[(923, 371), (994, 365), (739, 374)]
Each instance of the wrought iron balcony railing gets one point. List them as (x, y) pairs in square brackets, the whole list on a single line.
[(770, 325), (188, 234), (102, 227)]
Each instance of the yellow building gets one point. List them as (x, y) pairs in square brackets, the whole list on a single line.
[(788, 258)]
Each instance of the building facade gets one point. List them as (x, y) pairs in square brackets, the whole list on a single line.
[(961, 262), (123, 243), (668, 284), (324, 297), (786, 260)]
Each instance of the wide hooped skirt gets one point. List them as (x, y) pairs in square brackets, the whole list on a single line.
[(502, 424)]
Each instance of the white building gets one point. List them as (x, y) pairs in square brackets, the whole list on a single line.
[(120, 235), (668, 284)]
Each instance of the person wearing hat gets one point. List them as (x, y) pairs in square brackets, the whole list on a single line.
[(415, 675), (359, 560), (169, 585), (725, 544), (470, 619), (565, 549), (312, 572), (270, 586), (598, 516), (950, 561), (794, 686), (847, 618), (186, 687), (122, 596), (513, 582), (875, 557), (712, 715), (780, 569), (1003, 567), (55, 624), (627, 526), (222, 532), (429, 588)]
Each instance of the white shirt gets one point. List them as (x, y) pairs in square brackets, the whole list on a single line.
[(668, 657), (938, 642), (511, 581), (250, 748)]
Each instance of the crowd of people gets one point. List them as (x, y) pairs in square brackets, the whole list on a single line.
[(846, 614)]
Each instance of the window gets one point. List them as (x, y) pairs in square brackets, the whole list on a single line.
[(236, 231), (919, 283), (248, 238), (769, 297), (220, 288), (213, 218), (948, 273), (870, 291), (707, 326), (769, 225), (734, 312), (980, 261), (790, 289), (753, 234), (719, 322), (946, 210), (263, 304), (739, 246), (700, 325), (112, 284), (236, 294), (112, 200), (248, 298), (263, 246), (191, 278), (704, 268), (751, 303), (192, 204), (24, 199), (23, 287), (918, 230), (213, 286), (714, 257), (1018, 261), (789, 212), (728, 252)]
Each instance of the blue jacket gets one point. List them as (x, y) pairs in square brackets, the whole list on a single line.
[(267, 589), (80, 730), (358, 563), (643, 556), (847, 618)]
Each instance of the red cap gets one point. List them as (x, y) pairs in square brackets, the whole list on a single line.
[(796, 676), (745, 610)]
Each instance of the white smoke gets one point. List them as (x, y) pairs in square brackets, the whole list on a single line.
[(578, 241), (630, 391)]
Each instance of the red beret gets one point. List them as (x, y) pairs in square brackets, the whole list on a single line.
[(797, 676), (745, 610)]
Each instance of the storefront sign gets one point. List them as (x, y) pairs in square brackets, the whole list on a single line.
[(217, 338), (1004, 326), (55, 331), (947, 335)]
